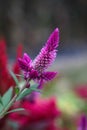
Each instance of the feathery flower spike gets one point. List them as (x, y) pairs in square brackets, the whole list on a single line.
[(36, 69), (48, 53)]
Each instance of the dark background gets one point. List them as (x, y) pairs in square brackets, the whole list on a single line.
[(30, 22)]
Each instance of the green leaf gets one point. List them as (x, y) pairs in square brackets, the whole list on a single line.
[(15, 110), (34, 88), (28, 91), (24, 93), (1, 107), (1, 100), (7, 96), (14, 77)]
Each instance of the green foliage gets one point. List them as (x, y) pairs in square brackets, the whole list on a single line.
[(1, 107), (7, 96), (1, 100), (28, 91), (14, 77), (15, 110), (5, 99)]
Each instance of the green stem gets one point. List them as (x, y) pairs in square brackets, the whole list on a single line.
[(12, 101)]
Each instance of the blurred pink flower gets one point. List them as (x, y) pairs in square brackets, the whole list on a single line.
[(39, 115), (6, 79)]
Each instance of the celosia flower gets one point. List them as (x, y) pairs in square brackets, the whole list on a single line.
[(40, 115), (6, 79), (36, 69), (82, 123)]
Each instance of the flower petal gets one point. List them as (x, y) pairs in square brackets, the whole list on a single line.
[(25, 62), (49, 75), (23, 65), (26, 58)]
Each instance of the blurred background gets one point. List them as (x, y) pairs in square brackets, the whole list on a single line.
[(30, 22)]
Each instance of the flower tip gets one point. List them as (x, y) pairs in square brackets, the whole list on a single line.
[(25, 53), (56, 31), (26, 58)]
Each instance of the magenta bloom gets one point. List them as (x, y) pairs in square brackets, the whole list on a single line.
[(82, 123), (36, 69), (40, 115)]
